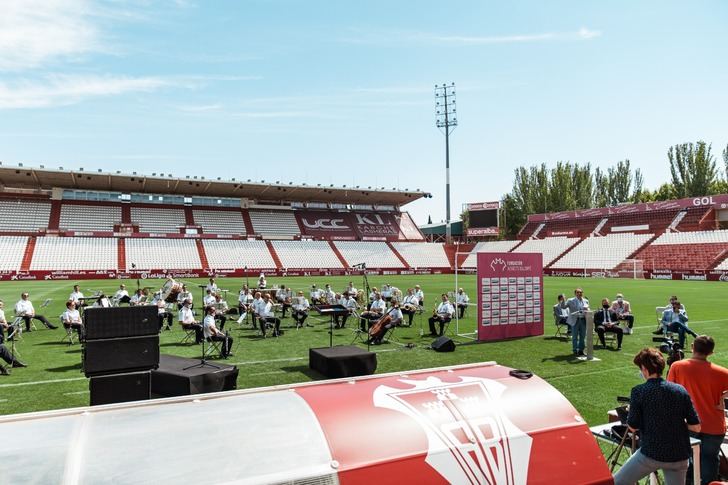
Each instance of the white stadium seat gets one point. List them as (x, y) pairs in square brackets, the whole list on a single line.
[(237, 253), (487, 247), (220, 221), (158, 219), (605, 252), (373, 254), (550, 247), (423, 255), (24, 216), (12, 249), (89, 218), (148, 253), (306, 254), (74, 253), (696, 237), (277, 224)]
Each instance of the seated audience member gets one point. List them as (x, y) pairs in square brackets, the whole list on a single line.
[(623, 310), (443, 314), (561, 314), (461, 300), (410, 305), (300, 309), (188, 322), (24, 308), (660, 330), (122, 296), (71, 318), (267, 315), (212, 333), (606, 321), (675, 319)]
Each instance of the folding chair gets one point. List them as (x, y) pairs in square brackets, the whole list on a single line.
[(68, 337), (562, 328), (18, 328), (21, 320), (189, 333), (214, 347)]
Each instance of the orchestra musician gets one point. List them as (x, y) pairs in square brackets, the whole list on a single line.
[(262, 283), (209, 298), (212, 286), (162, 313), (442, 315), (351, 290), (350, 304), (187, 320), (373, 293), (77, 297), (72, 319), (122, 296), (212, 333), (300, 310), (221, 308), (183, 296), (284, 299), (24, 308), (268, 316), (375, 312), (386, 292), (395, 314), (4, 325), (461, 300), (139, 298), (410, 305), (244, 301), (257, 306), (102, 301), (420, 295), (315, 295), (329, 296)]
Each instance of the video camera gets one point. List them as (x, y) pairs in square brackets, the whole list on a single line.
[(671, 348)]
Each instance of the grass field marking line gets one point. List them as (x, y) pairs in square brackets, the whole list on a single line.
[(594, 372), (266, 373), (695, 322), (50, 381), (3, 400), (271, 361), (75, 393)]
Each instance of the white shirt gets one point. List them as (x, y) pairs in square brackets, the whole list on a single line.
[(411, 300), (445, 308), (186, 315), (315, 294), (75, 296), (208, 300), (350, 303), (24, 307), (420, 295), (281, 294), (120, 294), (244, 297), (386, 292), (103, 302), (352, 291), (396, 315), (2, 316), (184, 295), (378, 305), (221, 305), (330, 295), (71, 316), (208, 326), (161, 306), (462, 299), (301, 304), (262, 283), (258, 305), (267, 310), (136, 299), (212, 287)]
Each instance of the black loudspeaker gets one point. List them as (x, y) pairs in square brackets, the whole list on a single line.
[(117, 322), (443, 344), (135, 386), (116, 355)]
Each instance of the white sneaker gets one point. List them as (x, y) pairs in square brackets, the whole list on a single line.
[(627, 331)]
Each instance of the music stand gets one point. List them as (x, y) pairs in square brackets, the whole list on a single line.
[(331, 311)]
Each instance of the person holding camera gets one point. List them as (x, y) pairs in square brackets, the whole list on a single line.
[(577, 319), (706, 383), (675, 319), (663, 414)]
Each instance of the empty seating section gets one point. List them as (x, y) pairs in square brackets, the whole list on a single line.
[(599, 252), (423, 255), (723, 265), (691, 221), (12, 249), (147, 253), (74, 253), (696, 237), (528, 229), (585, 225), (682, 256), (408, 228), (550, 247), (373, 254), (656, 220), (158, 219), (220, 222), (306, 254), (237, 253), (76, 217), (24, 216), (487, 247), (274, 223)]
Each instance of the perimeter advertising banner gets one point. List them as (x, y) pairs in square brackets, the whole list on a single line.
[(510, 295)]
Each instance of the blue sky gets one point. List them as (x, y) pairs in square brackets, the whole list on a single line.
[(342, 92)]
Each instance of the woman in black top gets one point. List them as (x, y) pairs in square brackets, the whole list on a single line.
[(663, 413)]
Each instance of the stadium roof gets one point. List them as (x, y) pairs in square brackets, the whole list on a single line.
[(456, 228), (42, 178)]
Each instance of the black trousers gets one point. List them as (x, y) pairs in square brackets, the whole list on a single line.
[(627, 318), (220, 320), (616, 329), (366, 321), (6, 355), (36, 317), (442, 322), (284, 307), (276, 324), (164, 316), (79, 328), (299, 316), (125, 299), (340, 320), (461, 310), (197, 328), (227, 344), (410, 315)]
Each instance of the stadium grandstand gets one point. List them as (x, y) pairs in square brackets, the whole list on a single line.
[(59, 224)]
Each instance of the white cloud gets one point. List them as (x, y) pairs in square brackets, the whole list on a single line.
[(466, 40), (60, 90), (35, 32), (201, 108)]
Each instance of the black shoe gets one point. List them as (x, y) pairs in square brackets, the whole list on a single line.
[(17, 363), (4, 371), (657, 332), (619, 348), (52, 327), (581, 353)]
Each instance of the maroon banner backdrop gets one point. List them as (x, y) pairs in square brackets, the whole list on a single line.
[(376, 226), (331, 225), (510, 295)]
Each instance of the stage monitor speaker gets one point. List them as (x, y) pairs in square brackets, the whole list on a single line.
[(443, 344), (117, 322), (112, 356), (135, 386)]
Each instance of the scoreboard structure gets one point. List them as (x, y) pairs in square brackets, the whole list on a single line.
[(483, 218)]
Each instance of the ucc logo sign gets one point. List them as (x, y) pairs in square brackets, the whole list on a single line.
[(325, 224)]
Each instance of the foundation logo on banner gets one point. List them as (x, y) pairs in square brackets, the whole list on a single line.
[(498, 263), (470, 438)]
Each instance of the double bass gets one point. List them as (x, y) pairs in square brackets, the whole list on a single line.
[(377, 331)]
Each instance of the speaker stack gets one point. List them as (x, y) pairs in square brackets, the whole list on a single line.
[(120, 350)]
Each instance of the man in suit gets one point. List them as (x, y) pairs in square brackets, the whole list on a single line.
[(605, 320), (623, 310), (675, 319), (577, 319)]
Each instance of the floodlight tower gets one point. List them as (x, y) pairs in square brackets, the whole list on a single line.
[(446, 120)]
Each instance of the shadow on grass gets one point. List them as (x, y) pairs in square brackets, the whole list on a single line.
[(65, 368), (305, 370), (568, 358)]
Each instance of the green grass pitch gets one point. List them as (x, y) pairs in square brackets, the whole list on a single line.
[(54, 380)]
